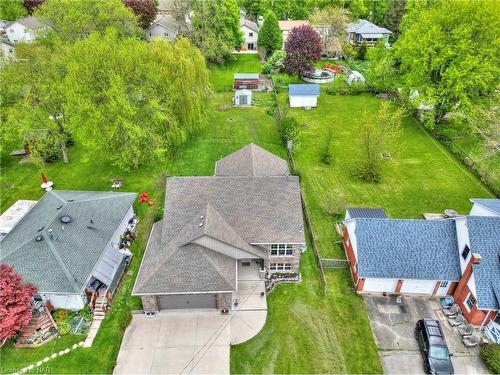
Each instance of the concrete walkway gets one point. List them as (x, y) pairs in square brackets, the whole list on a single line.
[(191, 341)]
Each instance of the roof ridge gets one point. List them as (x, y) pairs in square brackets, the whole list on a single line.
[(252, 149), (213, 263)]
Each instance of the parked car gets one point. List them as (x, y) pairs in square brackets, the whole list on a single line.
[(432, 343)]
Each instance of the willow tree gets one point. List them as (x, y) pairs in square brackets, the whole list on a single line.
[(135, 99)]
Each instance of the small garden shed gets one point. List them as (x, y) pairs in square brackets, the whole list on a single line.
[(303, 95), (246, 81), (243, 97)]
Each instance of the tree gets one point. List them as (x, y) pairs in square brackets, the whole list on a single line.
[(303, 49), (270, 37), (393, 16), (11, 10), (378, 135), (361, 52), (216, 28), (275, 62), (448, 51), (15, 302), (380, 74), (144, 9), (72, 20), (135, 99), (357, 9), (31, 5), (289, 129), (376, 10), (299, 10), (331, 23)]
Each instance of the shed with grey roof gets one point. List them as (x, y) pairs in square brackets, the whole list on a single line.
[(358, 212), (62, 243), (303, 95)]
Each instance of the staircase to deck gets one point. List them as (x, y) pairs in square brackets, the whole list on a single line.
[(100, 308), (39, 330)]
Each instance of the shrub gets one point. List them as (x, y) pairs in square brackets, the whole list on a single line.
[(275, 62), (60, 315), (333, 206), (46, 145), (64, 328), (289, 129), (85, 313), (490, 354)]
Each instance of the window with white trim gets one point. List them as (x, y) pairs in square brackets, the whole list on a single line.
[(281, 249), (443, 284), (470, 301), (280, 266), (250, 34)]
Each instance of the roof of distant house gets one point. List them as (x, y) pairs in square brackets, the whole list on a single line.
[(246, 76), (303, 89), (484, 237), (358, 212), (288, 25), (413, 249), (491, 204), (366, 27), (60, 257), (30, 22), (250, 24), (166, 22), (235, 212), (251, 160)]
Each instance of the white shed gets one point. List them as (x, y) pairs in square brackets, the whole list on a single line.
[(303, 95), (355, 76), (243, 97)]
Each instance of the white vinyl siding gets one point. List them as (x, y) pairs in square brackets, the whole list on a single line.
[(418, 286), (380, 285), (72, 302), (306, 101)]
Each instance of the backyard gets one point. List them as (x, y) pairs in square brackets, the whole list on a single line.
[(305, 332)]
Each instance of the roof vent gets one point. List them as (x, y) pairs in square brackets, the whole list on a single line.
[(41, 229), (202, 217), (38, 238), (65, 219), (201, 224), (59, 207)]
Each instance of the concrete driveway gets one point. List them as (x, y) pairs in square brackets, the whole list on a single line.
[(191, 341), (393, 325)]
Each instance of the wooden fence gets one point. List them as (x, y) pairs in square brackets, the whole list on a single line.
[(329, 264)]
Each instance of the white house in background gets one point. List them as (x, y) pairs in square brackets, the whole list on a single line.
[(163, 27), (24, 30), (71, 246), (250, 31), (365, 31), (287, 26), (303, 95)]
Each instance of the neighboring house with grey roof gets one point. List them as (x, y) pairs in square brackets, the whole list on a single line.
[(24, 30), (69, 244), (245, 218), (250, 31), (456, 256), (164, 27), (367, 32)]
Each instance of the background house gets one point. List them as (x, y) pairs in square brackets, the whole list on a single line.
[(24, 30), (303, 95), (365, 31), (250, 31), (69, 243), (241, 224), (163, 27), (455, 256), (287, 26)]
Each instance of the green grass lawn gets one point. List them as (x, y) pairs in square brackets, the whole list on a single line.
[(222, 76)]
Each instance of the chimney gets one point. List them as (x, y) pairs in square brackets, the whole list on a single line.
[(260, 21), (476, 258), (50, 233)]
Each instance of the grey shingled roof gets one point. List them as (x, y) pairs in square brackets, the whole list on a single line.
[(414, 249), (63, 264), (30, 22), (484, 237), (238, 211), (491, 204), (250, 24), (166, 22), (251, 160), (366, 27), (358, 212)]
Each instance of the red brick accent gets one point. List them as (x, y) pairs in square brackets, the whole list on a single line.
[(349, 253), (436, 287), (399, 286), (474, 316), (361, 284), (452, 288)]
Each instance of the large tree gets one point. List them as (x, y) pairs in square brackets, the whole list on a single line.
[(270, 37), (303, 49), (136, 99), (11, 10), (381, 74), (72, 20), (393, 16), (331, 24), (144, 9), (448, 51), (216, 28), (15, 302)]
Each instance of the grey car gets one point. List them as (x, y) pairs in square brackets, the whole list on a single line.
[(432, 343)]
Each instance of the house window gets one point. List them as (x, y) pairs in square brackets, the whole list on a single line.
[(281, 249), (280, 266), (470, 301), (250, 34), (465, 252), (443, 284)]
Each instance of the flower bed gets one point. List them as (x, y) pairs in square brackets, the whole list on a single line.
[(279, 278)]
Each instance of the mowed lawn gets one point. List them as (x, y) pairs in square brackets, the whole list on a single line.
[(222, 76)]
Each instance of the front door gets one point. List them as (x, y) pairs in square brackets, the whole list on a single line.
[(250, 47), (243, 99)]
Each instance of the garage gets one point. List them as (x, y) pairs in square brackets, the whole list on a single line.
[(187, 301), (380, 285), (418, 286)]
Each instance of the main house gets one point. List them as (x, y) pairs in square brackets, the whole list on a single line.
[(457, 256), (365, 31), (246, 219), (70, 245)]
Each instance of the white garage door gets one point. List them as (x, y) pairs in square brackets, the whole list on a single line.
[(380, 285), (418, 286), (188, 301)]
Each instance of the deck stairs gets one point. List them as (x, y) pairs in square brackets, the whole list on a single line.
[(39, 330)]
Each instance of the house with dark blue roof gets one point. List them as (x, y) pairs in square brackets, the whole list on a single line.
[(456, 256), (303, 95)]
